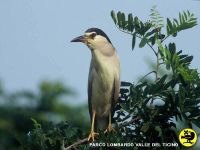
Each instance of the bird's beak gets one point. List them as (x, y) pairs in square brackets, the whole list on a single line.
[(79, 39)]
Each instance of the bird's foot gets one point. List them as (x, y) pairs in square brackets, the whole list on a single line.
[(109, 129), (92, 135)]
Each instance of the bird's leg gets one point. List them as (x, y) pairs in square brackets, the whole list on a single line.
[(110, 128), (92, 133)]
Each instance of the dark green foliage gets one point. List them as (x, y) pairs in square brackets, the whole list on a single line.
[(186, 21), (133, 41), (156, 121), (19, 131), (150, 30), (51, 137), (154, 106)]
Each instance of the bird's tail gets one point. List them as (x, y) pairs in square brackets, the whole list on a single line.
[(101, 123)]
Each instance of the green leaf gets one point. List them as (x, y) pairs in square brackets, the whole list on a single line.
[(152, 40), (168, 30), (176, 21), (151, 32), (123, 19), (169, 24), (175, 60), (36, 124), (186, 21), (172, 48), (143, 42), (145, 127), (162, 80), (180, 18), (119, 19), (158, 128), (133, 40), (187, 60), (113, 16), (142, 28), (179, 52), (185, 15), (130, 22)]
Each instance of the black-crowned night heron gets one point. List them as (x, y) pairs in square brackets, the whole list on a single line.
[(103, 81)]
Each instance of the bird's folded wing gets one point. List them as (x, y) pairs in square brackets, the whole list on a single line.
[(90, 79), (116, 90)]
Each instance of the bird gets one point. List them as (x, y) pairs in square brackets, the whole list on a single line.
[(103, 80)]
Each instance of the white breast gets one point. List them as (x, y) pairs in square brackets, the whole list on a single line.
[(102, 86)]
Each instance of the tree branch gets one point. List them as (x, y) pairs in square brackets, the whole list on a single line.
[(165, 38), (75, 144), (152, 49), (157, 65), (129, 122), (85, 139), (148, 45), (146, 75)]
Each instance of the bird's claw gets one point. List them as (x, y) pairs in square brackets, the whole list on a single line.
[(92, 135), (110, 129)]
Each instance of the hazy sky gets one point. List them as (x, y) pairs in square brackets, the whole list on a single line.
[(35, 39)]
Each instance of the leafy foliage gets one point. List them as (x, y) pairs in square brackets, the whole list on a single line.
[(150, 30), (154, 107), (186, 21), (50, 137), (156, 18), (18, 129)]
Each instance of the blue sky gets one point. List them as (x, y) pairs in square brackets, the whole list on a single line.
[(35, 39)]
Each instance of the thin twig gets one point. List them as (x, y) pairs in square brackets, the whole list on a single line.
[(157, 65), (75, 144), (165, 38), (148, 45), (146, 75), (152, 49), (129, 122)]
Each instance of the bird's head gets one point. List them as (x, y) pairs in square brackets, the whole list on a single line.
[(94, 38)]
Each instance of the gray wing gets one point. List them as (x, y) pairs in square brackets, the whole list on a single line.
[(116, 84), (90, 79), (116, 91)]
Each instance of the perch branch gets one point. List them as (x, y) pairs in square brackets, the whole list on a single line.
[(85, 139), (75, 144)]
